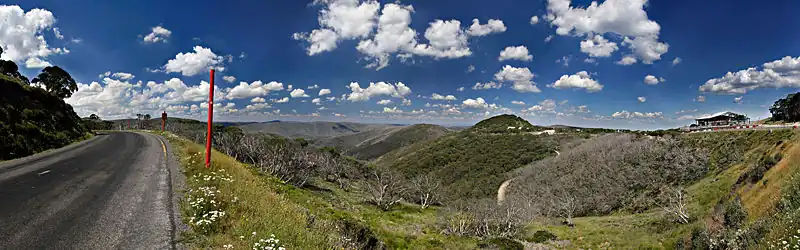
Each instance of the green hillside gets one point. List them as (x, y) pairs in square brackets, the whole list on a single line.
[(473, 162), (33, 120)]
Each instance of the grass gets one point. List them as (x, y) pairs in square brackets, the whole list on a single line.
[(267, 206), (258, 208)]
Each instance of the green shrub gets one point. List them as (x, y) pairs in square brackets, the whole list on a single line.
[(700, 239), (735, 215), (542, 236)]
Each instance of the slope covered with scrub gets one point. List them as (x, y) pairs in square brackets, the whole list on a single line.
[(371, 144), (33, 120)]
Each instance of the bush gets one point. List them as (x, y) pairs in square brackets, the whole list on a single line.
[(700, 239), (542, 236), (502, 243), (735, 215)]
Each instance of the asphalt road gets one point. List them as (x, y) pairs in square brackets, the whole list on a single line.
[(114, 191)]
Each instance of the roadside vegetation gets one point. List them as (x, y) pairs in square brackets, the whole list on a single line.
[(35, 118)]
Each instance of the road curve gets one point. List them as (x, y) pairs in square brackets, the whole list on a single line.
[(112, 192)]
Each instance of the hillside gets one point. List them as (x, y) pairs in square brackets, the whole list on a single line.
[(473, 162), (504, 124), (32, 120), (371, 144), (310, 130)]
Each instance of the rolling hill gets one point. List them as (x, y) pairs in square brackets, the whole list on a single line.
[(310, 130), (371, 144)]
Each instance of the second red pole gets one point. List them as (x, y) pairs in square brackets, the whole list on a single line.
[(210, 119)]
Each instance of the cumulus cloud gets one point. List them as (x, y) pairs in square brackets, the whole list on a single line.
[(470, 68), (578, 80), (478, 103), (782, 73), (626, 60), (406, 102), (357, 94), (257, 100), (641, 99), (384, 102), (316, 101), (393, 110), (23, 36), (623, 18), (436, 96), (460, 89), (381, 36), (598, 46), (157, 34), (257, 88), (298, 93), (534, 20), (738, 100), (492, 26), (634, 115), (548, 38), (193, 63), (123, 76), (676, 61), (522, 79), (229, 78), (652, 80), (518, 102), (545, 106), (323, 92), (313, 87), (282, 100), (515, 52)]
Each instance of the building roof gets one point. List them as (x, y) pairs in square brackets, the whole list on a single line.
[(718, 114)]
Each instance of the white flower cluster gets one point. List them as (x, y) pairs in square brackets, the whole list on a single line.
[(270, 243), (214, 176), (792, 242), (205, 208)]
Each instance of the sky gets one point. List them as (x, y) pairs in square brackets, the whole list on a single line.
[(632, 64)]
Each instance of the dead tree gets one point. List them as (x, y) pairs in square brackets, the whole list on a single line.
[(674, 201), (425, 189), (385, 188)]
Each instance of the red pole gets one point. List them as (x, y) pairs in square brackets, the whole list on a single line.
[(210, 119)]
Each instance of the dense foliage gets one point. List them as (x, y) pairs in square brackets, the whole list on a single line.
[(32, 120), (504, 124), (57, 81), (786, 109), (375, 147)]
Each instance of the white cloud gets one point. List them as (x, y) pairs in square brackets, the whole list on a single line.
[(193, 63), (57, 34), (578, 80), (470, 68), (522, 79), (36, 63), (229, 78), (22, 36), (590, 60), (257, 106), (782, 73), (298, 93), (447, 40), (330, 98), (548, 38), (652, 80), (384, 102), (406, 102), (338, 20), (436, 96), (316, 101), (598, 46), (393, 110), (624, 18), (158, 34), (257, 100), (487, 85), (534, 20), (313, 87), (632, 115), (257, 88), (545, 106), (460, 89), (123, 76), (518, 102), (700, 98), (626, 60), (393, 35), (398, 90), (282, 100), (641, 99), (492, 26), (676, 61), (564, 60), (738, 100), (323, 92), (478, 103), (515, 52)]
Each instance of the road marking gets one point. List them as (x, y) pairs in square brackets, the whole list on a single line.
[(45, 172), (163, 147)]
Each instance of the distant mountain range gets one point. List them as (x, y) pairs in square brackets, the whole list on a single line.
[(311, 130)]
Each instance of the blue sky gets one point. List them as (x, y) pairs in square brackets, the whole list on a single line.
[(412, 50)]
